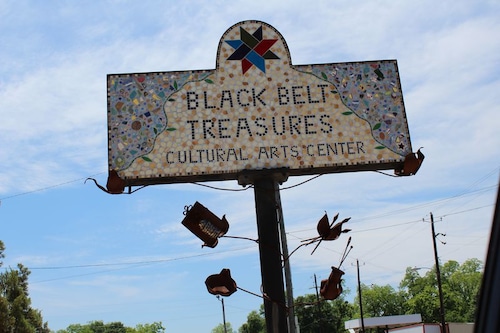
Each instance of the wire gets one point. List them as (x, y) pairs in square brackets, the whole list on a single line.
[(243, 189), (224, 189), (100, 173), (388, 244), (387, 226), (431, 203), (463, 211), (362, 230), (251, 186), (302, 183), (142, 262), (49, 187)]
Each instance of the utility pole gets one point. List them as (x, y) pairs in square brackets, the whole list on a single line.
[(438, 276), (360, 300), (223, 313), (320, 314)]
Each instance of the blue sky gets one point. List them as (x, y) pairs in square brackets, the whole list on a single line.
[(127, 258)]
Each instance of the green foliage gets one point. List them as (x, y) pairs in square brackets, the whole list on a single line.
[(256, 323), (381, 301), (326, 315), (220, 328), (99, 326), (155, 327), (460, 284), (76, 328), (2, 248), (16, 313)]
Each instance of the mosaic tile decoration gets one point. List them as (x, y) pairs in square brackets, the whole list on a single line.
[(255, 111)]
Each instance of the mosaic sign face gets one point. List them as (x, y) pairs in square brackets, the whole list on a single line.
[(255, 111)]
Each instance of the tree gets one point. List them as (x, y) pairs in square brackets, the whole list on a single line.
[(460, 285), (114, 327), (98, 326), (156, 327), (16, 313), (256, 323), (381, 301), (2, 248), (220, 328), (76, 328), (322, 316)]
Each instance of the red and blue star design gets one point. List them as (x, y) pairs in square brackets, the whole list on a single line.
[(252, 50)]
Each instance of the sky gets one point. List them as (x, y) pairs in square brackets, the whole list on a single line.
[(96, 256)]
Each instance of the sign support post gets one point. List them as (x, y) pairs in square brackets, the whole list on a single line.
[(270, 254)]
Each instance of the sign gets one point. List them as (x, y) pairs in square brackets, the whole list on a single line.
[(255, 111)]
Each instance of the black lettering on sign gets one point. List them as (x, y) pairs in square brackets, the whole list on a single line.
[(245, 126), (293, 124), (223, 129), (192, 100), (257, 97), (226, 97), (207, 130), (205, 100), (239, 97), (261, 126)]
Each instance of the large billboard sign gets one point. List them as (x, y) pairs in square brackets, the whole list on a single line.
[(255, 111)]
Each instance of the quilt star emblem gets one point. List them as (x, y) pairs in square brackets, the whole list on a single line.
[(252, 50)]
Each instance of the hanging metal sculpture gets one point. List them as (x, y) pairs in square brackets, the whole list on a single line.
[(205, 224), (221, 284), (412, 163), (114, 185), (331, 288)]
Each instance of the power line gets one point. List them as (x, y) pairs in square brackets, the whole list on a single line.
[(464, 211), (243, 189), (140, 262), (291, 233), (407, 209), (147, 262)]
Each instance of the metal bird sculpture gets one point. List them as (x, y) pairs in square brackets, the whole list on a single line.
[(328, 231)]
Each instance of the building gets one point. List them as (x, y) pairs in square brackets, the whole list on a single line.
[(405, 324)]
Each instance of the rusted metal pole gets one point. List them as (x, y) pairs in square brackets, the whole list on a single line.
[(270, 255), (286, 266)]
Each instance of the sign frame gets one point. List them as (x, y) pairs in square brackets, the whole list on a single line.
[(146, 111)]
